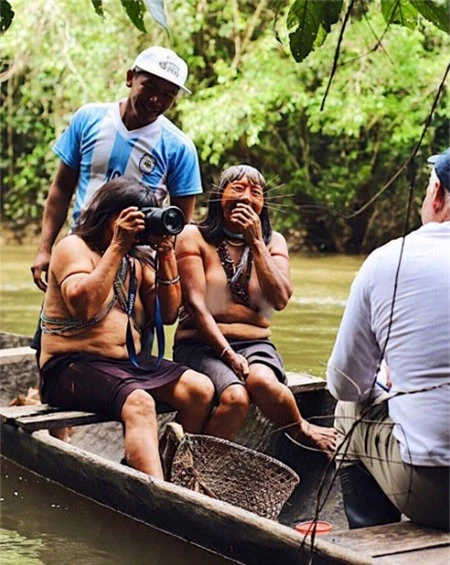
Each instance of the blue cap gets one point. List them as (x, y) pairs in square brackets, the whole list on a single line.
[(441, 164)]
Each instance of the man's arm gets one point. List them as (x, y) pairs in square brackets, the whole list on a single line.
[(55, 213), (85, 287), (356, 354), (187, 205)]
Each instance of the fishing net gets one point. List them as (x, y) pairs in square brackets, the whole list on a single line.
[(227, 471)]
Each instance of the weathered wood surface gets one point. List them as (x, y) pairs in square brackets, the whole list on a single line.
[(18, 370), (418, 557), (106, 439), (213, 524), (43, 416), (392, 543), (181, 512), (8, 340)]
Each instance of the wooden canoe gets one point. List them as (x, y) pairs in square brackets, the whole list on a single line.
[(90, 466)]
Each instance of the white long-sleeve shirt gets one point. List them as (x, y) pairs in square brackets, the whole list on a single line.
[(418, 350)]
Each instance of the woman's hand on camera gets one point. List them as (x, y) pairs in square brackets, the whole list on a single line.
[(127, 225), (163, 245)]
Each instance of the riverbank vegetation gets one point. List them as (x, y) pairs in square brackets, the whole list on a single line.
[(251, 102)]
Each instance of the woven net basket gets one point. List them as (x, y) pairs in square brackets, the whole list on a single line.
[(227, 471)]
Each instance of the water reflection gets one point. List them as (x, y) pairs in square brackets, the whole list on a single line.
[(44, 524)]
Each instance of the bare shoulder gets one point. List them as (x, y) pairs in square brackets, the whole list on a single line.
[(277, 244), (190, 240), (71, 255), (69, 245)]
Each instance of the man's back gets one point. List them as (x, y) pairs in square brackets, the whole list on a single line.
[(418, 350)]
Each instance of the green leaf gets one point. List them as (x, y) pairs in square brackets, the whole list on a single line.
[(399, 12), (331, 12), (6, 15), (156, 9), (135, 11), (312, 21), (98, 7), (437, 14)]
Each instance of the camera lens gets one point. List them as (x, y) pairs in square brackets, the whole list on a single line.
[(173, 220)]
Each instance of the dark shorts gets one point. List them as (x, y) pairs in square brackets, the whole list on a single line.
[(203, 359), (79, 381)]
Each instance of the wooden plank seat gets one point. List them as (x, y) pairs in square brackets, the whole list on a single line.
[(404, 542), (43, 416)]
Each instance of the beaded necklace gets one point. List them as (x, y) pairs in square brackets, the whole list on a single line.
[(238, 276)]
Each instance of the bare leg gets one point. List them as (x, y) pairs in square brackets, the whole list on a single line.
[(141, 433), (192, 396), (61, 433), (278, 404), (230, 414)]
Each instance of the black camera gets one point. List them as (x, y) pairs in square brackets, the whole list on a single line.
[(162, 221)]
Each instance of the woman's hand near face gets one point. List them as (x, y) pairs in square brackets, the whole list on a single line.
[(247, 221), (128, 224)]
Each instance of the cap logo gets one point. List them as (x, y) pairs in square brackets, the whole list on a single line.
[(147, 163), (170, 67)]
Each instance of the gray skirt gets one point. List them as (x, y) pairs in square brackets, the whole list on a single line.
[(203, 359)]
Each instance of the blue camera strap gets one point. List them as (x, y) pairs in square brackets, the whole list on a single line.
[(132, 290), (159, 326)]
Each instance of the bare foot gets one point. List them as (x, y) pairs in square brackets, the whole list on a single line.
[(318, 437)]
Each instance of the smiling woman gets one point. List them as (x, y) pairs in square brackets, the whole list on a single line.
[(229, 295)]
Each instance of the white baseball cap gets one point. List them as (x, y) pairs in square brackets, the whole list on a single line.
[(163, 63)]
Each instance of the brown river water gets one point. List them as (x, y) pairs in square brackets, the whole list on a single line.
[(43, 524)]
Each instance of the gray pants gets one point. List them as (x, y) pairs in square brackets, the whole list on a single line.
[(421, 493)]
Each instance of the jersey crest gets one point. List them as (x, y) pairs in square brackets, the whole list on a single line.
[(147, 163)]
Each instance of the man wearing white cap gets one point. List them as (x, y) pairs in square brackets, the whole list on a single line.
[(129, 137), (395, 449)]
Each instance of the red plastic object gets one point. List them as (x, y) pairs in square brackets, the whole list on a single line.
[(320, 527)]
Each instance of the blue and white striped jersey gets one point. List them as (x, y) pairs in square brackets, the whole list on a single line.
[(159, 155)]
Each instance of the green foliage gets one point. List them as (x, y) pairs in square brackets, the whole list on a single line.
[(156, 9), (434, 12), (79, 58), (311, 22), (98, 7), (6, 15), (251, 103), (135, 11), (400, 12), (406, 13)]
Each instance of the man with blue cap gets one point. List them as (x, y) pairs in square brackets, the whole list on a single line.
[(394, 453)]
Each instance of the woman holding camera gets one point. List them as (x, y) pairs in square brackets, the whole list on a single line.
[(102, 290), (234, 272)]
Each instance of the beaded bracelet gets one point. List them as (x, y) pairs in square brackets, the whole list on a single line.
[(224, 350), (168, 281)]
